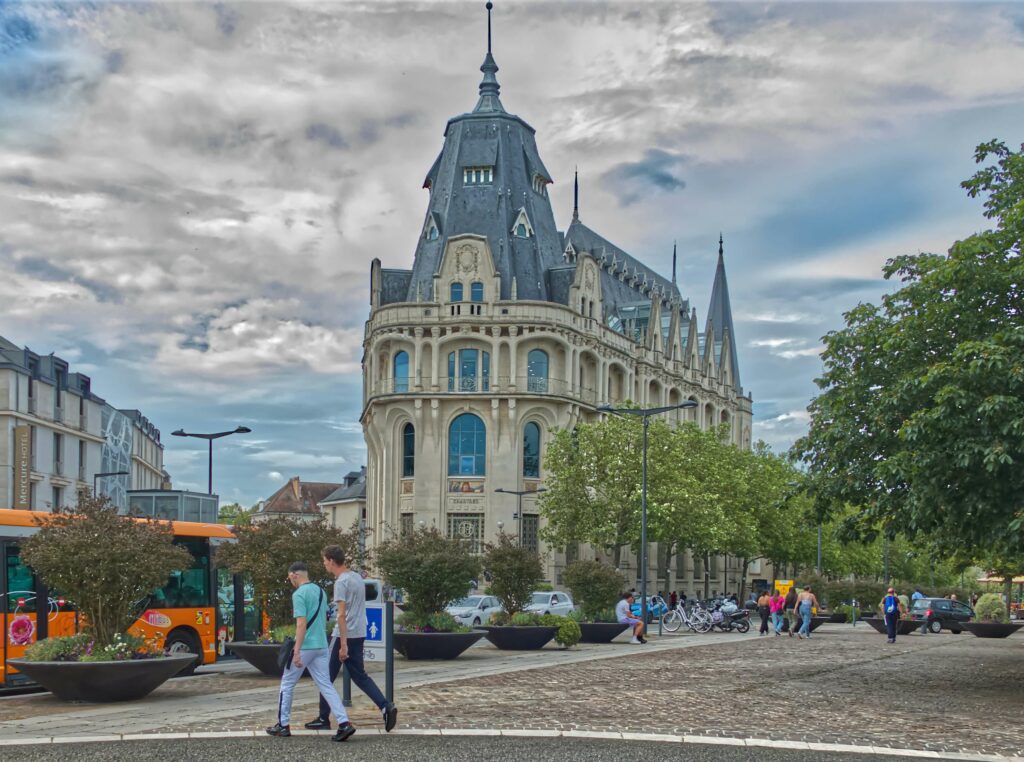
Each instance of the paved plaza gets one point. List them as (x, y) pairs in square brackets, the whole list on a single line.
[(940, 694)]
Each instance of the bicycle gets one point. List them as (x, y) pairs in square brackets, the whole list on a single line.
[(697, 619)]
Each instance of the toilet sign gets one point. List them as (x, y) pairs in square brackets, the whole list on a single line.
[(378, 640)]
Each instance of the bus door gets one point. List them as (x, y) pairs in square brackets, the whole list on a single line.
[(21, 594)]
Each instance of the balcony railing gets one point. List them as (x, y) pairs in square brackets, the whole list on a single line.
[(81, 473), (32, 405), (58, 414), (489, 385), (58, 467)]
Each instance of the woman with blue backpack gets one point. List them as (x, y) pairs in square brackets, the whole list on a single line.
[(892, 608)]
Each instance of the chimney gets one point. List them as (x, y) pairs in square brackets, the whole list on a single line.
[(296, 486)]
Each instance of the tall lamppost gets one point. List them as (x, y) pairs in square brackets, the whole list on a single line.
[(209, 439), (519, 506), (96, 477), (645, 415)]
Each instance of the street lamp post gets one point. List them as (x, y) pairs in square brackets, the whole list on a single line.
[(209, 439), (519, 506), (96, 477), (645, 415)]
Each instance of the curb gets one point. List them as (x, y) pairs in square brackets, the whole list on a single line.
[(525, 733)]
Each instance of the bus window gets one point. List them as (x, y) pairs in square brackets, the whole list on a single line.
[(189, 588), (20, 584)]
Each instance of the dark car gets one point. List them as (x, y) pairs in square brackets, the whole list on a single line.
[(941, 613)]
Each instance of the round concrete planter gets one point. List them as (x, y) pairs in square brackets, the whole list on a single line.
[(102, 681), (838, 617), (992, 629), (903, 627), (512, 638), (601, 632), (263, 656), (434, 645)]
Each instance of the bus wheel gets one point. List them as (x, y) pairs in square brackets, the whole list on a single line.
[(184, 641)]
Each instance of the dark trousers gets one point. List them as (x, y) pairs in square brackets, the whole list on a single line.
[(356, 671), (890, 626), (763, 611)]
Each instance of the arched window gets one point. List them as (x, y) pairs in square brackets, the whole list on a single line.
[(476, 291), (531, 451), (408, 450), (401, 375), (537, 371), (467, 446), (472, 371), (456, 292)]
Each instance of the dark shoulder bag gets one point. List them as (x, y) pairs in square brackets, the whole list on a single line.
[(286, 652)]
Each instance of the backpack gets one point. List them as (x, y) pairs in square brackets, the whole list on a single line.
[(891, 604)]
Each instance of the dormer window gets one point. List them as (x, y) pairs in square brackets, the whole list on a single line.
[(477, 175), (522, 227), (432, 232), (540, 185)]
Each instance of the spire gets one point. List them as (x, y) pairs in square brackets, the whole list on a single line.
[(673, 263), (720, 314), (489, 87), (576, 195)]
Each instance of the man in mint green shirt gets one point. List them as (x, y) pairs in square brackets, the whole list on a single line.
[(309, 606)]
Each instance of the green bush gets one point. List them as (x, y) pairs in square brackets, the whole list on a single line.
[(434, 570), (991, 608), (85, 648), (68, 648), (545, 587), (515, 572), (524, 619), (568, 633), (595, 587), (844, 608), (411, 621)]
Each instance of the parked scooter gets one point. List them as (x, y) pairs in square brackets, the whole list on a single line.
[(727, 616)]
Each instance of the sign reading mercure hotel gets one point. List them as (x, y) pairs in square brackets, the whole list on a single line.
[(22, 467)]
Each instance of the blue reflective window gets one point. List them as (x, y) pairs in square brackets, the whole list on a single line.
[(476, 292), (456, 292), (401, 374), (467, 446), (408, 450), (537, 371), (531, 451)]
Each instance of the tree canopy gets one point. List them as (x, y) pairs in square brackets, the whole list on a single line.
[(920, 420)]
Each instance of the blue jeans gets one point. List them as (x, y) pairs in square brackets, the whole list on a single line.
[(805, 612), (890, 625), (777, 621), (356, 672)]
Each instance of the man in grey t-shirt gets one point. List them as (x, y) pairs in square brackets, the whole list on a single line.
[(348, 638)]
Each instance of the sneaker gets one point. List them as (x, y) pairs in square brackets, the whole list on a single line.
[(390, 713), (635, 641), (345, 731), (643, 641), (279, 730), (319, 724)]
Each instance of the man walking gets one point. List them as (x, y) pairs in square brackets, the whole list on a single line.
[(916, 596), (309, 605), (348, 638)]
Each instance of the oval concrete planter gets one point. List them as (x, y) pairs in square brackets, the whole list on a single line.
[(838, 617), (434, 645), (102, 681), (512, 638), (903, 627), (991, 629), (601, 632)]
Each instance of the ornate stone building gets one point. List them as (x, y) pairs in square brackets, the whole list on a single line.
[(505, 329)]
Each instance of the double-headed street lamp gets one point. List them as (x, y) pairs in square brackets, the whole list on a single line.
[(645, 415), (209, 438), (96, 477), (519, 506)]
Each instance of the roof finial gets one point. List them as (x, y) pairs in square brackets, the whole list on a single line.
[(673, 263), (576, 195), (720, 252), (489, 87)]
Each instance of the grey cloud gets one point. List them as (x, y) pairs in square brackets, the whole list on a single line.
[(326, 134), (632, 181)]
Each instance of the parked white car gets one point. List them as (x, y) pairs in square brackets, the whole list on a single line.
[(475, 609), (550, 603)]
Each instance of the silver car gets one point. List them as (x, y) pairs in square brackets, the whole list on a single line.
[(550, 603), (475, 609)]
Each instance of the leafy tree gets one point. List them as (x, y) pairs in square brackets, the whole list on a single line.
[(104, 562), (433, 569), (235, 514), (265, 550), (515, 572), (921, 417), (595, 586)]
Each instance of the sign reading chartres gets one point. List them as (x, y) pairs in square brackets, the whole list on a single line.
[(22, 467)]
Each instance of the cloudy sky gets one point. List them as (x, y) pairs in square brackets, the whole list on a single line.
[(191, 194)]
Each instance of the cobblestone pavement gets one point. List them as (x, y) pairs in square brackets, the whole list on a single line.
[(846, 685)]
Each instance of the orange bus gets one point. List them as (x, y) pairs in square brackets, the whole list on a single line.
[(197, 611)]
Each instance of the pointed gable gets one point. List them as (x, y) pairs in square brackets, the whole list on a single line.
[(720, 316)]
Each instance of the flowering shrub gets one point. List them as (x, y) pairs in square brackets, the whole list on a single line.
[(84, 648), (276, 635), (436, 622)]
